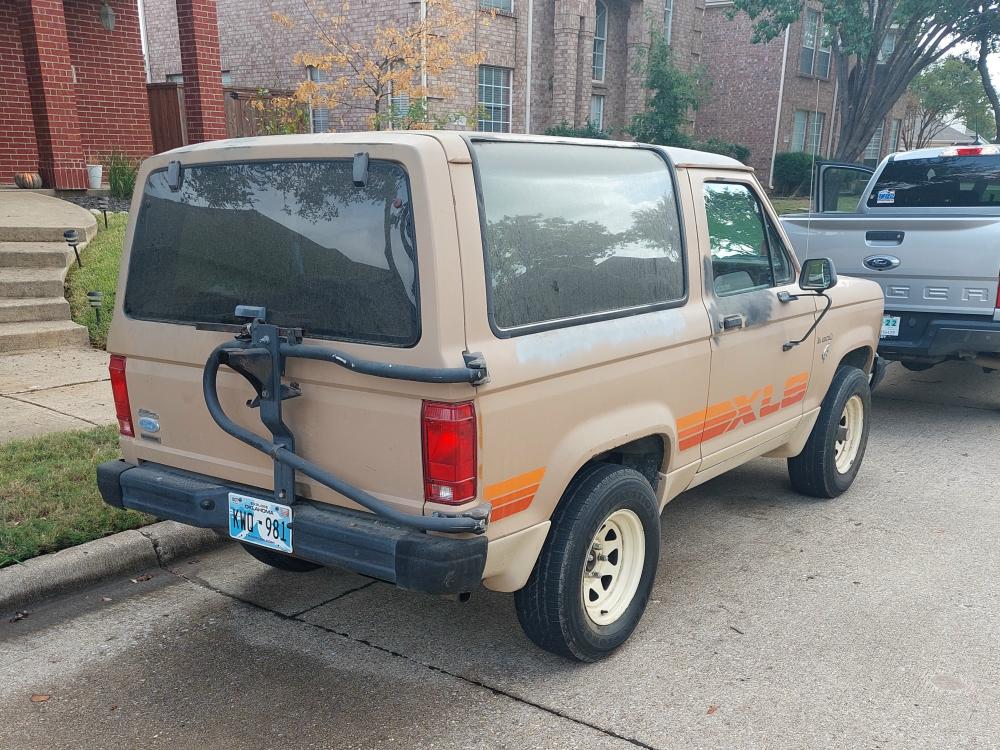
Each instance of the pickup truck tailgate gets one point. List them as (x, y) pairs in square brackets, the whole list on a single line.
[(945, 264)]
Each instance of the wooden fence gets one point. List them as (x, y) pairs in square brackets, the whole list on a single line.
[(248, 112)]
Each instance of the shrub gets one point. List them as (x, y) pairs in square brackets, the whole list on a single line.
[(565, 130), (792, 173), (735, 150), (122, 171)]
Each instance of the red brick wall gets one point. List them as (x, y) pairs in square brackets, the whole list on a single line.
[(18, 150), (111, 101)]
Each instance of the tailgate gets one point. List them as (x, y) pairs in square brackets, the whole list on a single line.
[(355, 266), (945, 264)]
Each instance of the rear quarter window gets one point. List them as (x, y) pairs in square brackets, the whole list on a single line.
[(573, 232), (297, 237), (958, 181)]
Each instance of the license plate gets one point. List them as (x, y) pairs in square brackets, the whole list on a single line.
[(260, 522), (890, 326)]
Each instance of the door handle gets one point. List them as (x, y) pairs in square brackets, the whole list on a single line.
[(891, 236), (732, 322)]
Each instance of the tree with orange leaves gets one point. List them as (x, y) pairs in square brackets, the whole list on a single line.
[(408, 63)]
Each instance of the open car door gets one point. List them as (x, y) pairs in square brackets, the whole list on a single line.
[(838, 188)]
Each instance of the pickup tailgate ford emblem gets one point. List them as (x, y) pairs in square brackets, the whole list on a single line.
[(881, 262)]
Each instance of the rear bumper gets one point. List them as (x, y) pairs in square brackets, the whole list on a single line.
[(926, 336), (322, 533)]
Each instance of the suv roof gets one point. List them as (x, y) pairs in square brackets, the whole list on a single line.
[(681, 157)]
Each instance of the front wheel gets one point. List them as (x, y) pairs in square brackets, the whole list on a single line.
[(595, 572), (826, 467)]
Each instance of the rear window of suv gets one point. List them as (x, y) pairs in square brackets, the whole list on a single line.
[(573, 232), (297, 237), (959, 181)]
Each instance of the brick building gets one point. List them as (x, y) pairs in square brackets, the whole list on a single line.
[(73, 89), (581, 63), (779, 96)]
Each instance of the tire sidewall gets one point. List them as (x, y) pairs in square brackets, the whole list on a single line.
[(848, 382), (588, 640)]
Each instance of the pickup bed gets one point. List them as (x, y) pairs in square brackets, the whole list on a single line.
[(925, 225)]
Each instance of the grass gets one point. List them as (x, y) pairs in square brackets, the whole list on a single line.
[(790, 205), (101, 260), (48, 494)]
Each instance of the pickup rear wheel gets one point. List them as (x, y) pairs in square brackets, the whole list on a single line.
[(280, 561), (593, 577), (826, 467)]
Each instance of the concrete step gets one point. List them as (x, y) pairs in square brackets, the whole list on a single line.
[(41, 335), (29, 309), (31, 282), (34, 254)]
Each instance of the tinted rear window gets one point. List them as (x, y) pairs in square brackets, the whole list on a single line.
[(574, 230), (294, 236), (960, 181)]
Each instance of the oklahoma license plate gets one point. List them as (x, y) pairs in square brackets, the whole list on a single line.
[(890, 326), (260, 522)]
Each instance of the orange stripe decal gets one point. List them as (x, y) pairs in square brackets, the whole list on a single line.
[(697, 427), (513, 495)]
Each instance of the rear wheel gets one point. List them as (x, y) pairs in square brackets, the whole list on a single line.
[(593, 577), (280, 561), (826, 467)]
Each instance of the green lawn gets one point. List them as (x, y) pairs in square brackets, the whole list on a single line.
[(48, 494), (101, 259), (790, 205)]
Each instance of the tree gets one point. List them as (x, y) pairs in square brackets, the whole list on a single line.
[(948, 90), (878, 49), (986, 36), (672, 93), (407, 64)]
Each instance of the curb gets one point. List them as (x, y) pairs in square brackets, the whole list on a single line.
[(152, 546)]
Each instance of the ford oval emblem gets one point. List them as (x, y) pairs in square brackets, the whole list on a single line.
[(148, 421), (881, 262)]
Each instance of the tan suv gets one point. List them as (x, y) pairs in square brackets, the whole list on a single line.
[(442, 358)]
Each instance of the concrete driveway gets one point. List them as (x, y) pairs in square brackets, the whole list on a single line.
[(871, 621)]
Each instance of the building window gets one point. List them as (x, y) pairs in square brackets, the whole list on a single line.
[(668, 19), (227, 79), (503, 6), (597, 112), (600, 41), (175, 78), (814, 59), (873, 151), (888, 46), (894, 135), (807, 131), (494, 99), (319, 117)]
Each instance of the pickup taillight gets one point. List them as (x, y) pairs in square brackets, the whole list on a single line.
[(116, 367), (448, 434)]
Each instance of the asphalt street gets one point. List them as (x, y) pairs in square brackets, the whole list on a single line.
[(869, 621)]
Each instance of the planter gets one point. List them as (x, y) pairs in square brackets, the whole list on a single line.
[(94, 174)]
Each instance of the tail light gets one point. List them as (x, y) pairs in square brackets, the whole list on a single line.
[(449, 444), (120, 390), (971, 151)]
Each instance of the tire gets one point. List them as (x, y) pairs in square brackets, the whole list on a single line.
[(280, 561), (617, 505), (826, 467)]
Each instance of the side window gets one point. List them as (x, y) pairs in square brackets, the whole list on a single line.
[(842, 188), (747, 252), (576, 231)]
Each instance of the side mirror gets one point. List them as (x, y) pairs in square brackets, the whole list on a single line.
[(818, 275)]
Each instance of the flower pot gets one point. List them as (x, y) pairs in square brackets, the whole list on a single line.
[(94, 174)]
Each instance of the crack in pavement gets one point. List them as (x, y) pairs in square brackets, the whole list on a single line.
[(55, 387), (432, 667), (338, 596), (55, 411)]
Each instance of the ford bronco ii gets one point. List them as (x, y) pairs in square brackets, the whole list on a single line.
[(442, 359)]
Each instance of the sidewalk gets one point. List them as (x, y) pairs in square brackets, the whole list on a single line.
[(52, 390)]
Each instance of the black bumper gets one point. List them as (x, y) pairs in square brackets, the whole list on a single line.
[(926, 336), (322, 533)]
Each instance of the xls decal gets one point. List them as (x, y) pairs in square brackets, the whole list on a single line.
[(513, 495), (694, 429)]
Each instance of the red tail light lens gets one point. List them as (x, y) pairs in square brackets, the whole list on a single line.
[(120, 391), (449, 443)]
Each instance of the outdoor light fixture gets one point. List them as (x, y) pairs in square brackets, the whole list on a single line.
[(107, 16), (96, 301), (104, 205), (73, 239)]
